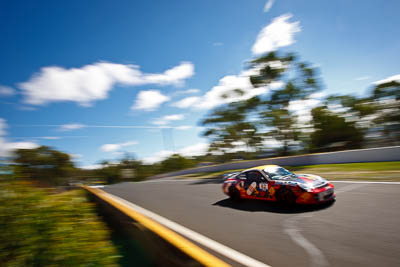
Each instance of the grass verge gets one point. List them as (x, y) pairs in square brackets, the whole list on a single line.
[(42, 229), (369, 171)]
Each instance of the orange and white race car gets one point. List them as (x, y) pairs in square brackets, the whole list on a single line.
[(274, 183)]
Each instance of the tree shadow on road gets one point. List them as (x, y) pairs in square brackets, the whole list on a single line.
[(274, 207)]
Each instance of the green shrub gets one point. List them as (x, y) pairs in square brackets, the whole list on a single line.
[(38, 229)]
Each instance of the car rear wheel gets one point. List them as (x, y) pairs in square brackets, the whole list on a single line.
[(234, 194), (286, 196)]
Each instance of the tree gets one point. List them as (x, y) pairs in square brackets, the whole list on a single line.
[(231, 128), (265, 116), (175, 162), (387, 99), (333, 132), (44, 165), (111, 173), (299, 82)]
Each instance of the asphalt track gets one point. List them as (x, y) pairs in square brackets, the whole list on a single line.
[(360, 229)]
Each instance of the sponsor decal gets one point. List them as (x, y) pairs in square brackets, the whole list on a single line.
[(285, 183), (251, 188), (263, 186), (305, 197), (271, 191)]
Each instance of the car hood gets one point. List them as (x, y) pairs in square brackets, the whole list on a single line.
[(304, 180)]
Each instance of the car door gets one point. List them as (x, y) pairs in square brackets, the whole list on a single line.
[(254, 179)]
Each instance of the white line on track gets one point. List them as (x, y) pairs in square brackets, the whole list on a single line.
[(364, 182), (171, 180), (293, 231), (201, 239), (349, 188), (316, 255), (194, 179)]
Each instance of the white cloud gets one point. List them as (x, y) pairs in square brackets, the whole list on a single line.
[(268, 5), (224, 92), (278, 33), (226, 86), (6, 147), (389, 79), (91, 167), (6, 91), (116, 147), (168, 118), (188, 151), (318, 95), (50, 137), (192, 91), (71, 126), (218, 44), (149, 100), (75, 156), (362, 78), (28, 108), (157, 157), (174, 76), (302, 108), (186, 102), (20, 145), (93, 82), (271, 143), (183, 127), (188, 91), (194, 150)]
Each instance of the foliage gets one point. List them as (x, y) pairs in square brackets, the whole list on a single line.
[(110, 173), (333, 132), (387, 97), (43, 164), (230, 127), (253, 120), (174, 163), (51, 230), (342, 122)]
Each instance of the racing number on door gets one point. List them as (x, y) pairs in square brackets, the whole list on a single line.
[(263, 186)]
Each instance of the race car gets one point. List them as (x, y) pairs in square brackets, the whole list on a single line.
[(274, 183)]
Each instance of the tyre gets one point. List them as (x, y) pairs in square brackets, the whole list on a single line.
[(234, 194), (286, 196)]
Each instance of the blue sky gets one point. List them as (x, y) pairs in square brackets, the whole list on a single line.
[(99, 78)]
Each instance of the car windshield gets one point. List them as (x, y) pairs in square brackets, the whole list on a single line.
[(276, 173)]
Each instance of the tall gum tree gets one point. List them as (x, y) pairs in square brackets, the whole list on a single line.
[(268, 115)]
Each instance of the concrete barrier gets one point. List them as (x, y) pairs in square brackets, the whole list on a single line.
[(348, 156)]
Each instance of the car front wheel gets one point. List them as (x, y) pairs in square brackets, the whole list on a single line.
[(286, 196)]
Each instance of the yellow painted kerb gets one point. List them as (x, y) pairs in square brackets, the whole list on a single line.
[(178, 241)]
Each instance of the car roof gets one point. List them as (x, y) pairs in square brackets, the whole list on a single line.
[(261, 167)]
